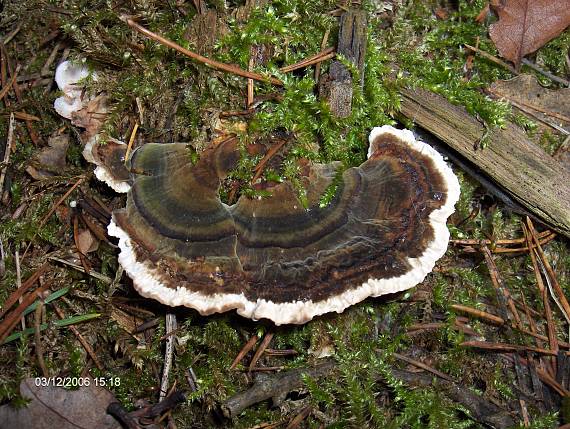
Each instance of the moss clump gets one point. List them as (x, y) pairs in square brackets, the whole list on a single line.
[(432, 52), (550, 59)]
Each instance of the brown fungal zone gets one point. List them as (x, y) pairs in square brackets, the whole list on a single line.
[(274, 248), (111, 155)]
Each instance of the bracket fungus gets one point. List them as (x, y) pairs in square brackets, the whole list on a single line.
[(273, 257), (278, 257)]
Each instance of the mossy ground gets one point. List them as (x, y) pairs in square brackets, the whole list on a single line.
[(179, 100)]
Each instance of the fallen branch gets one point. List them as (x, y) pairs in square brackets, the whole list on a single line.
[(527, 174), (171, 401), (275, 387), (480, 410), (278, 386)]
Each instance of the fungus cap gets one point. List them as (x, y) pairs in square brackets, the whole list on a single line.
[(274, 257), (67, 75)]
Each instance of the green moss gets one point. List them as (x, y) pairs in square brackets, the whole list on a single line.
[(283, 25), (27, 228), (550, 142), (525, 123), (550, 59), (503, 382), (432, 52)]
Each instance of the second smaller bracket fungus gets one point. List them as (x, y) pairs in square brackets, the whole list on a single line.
[(278, 257), (89, 113), (109, 157)]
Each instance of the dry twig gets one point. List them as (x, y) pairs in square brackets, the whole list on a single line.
[(38, 338), (324, 55), (492, 58), (79, 268), (19, 282), (502, 347), (15, 296), (298, 419), (264, 343), (422, 366), (246, 348), (7, 152), (479, 314), (80, 338), (545, 73), (131, 141), (12, 319), (551, 274), (502, 292), (212, 63), (168, 354), (260, 166), (10, 83), (52, 211)]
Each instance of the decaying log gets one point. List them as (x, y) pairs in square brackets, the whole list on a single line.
[(528, 174), (278, 386), (275, 387), (336, 87)]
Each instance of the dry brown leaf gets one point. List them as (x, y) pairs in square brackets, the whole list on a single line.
[(91, 117), (87, 242), (441, 13), (127, 322), (51, 159), (55, 407), (526, 25)]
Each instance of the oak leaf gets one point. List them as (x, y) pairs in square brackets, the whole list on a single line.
[(526, 25), (50, 160)]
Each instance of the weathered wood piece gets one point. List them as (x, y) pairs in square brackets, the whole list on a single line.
[(529, 175), (336, 87), (278, 386), (275, 387)]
